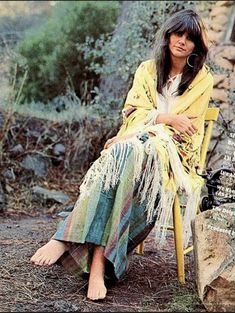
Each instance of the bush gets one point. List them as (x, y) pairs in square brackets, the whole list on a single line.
[(53, 56)]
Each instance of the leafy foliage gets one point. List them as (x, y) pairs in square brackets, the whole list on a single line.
[(53, 56)]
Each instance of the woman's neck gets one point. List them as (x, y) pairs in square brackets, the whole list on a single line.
[(177, 66)]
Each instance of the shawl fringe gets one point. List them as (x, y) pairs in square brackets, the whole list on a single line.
[(108, 168)]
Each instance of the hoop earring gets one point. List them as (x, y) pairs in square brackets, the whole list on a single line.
[(189, 57)]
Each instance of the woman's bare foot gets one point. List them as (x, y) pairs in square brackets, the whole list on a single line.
[(49, 253), (96, 287)]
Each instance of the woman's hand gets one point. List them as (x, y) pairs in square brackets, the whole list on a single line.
[(116, 139), (180, 122), (111, 141)]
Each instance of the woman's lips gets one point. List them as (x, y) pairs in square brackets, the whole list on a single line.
[(179, 48)]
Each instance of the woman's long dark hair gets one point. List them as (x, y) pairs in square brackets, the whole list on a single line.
[(183, 21)]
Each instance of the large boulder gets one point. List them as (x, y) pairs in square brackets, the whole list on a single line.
[(214, 254)]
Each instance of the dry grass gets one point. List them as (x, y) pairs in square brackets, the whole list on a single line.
[(150, 285)]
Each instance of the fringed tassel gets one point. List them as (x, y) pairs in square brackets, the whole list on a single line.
[(164, 215), (189, 214), (108, 168), (139, 155), (91, 177), (183, 183), (150, 184)]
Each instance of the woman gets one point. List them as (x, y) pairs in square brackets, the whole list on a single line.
[(131, 187)]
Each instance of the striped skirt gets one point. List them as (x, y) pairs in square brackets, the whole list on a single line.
[(114, 218)]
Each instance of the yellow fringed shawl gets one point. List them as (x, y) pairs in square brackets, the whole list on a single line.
[(194, 103)]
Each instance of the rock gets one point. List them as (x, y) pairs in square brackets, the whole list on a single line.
[(36, 163), (218, 10), (220, 95), (228, 52), (45, 194), (64, 306), (232, 81), (9, 188), (68, 208), (227, 115), (217, 27), (3, 199), (2, 119), (58, 149), (225, 84), (18, 149), (9, 174), (218, 78), (32, 133), (214, 253), (224, 63), (220, 19), (216, 161), (215, 36), (224, 3)]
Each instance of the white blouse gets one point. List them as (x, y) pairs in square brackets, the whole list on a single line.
[(166, 100)]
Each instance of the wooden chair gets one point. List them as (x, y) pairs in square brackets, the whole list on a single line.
[(210, 118)]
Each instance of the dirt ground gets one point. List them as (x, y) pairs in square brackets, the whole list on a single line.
[(150, 285)]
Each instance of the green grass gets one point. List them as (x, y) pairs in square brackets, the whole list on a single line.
[(183, 300), (73, 112)]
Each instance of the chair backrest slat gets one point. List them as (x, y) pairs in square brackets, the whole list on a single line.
[(212, 114), (210, 117)]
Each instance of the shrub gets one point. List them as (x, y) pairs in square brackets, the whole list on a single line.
[(53, 56)]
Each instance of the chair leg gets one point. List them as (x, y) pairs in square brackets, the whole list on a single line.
[(178, 236), (140, 248)]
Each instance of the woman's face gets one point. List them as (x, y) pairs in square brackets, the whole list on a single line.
[(180, 45)]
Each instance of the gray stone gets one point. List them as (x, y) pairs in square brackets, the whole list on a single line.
[(36, 163), (45, 194), (214, 253), (18, 149), (2, 120), (65, 306), (3, 199), (58, 149), (9, 174)]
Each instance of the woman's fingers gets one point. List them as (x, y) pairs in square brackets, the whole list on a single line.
[(190, 130), (194, 127), (183, 124), (109, 142), (106, 144), (191, 117)]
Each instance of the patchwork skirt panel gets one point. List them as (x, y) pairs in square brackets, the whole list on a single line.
[(115, 219)]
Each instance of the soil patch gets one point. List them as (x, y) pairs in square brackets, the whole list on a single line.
[(150, 285)]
